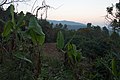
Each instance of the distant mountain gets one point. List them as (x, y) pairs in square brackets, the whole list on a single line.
[(70, 24)]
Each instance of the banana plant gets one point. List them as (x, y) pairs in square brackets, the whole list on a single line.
[(60, 40), (114, 69), (10, 24), (10, 36), (70, 52), (38, 38), (7, 29), (114, 66), (34, 33), (12, 28), (73, 53)]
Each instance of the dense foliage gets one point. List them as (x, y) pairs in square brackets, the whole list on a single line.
[(18, 42), (91, 53)]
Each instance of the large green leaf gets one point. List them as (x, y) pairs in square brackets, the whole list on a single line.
[(21, 56), (12, 13), (35, 26), (20, 19), (36, 38), (60, 40), (35, 31), (114, 67), (73, 53), (71, 49), (7, 29), (78, 56)]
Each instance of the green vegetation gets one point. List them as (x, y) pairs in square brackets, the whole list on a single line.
[(34, 49)]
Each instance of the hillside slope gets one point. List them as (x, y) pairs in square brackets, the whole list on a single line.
[(70, 24)]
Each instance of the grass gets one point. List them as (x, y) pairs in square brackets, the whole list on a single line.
[(53, 69)]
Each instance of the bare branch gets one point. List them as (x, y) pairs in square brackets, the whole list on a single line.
[(45, 7), (9, 2), (108, 18), (35, 9), (33, 5), (4, 2)]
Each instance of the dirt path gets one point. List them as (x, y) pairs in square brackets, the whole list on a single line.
[(51, 50)]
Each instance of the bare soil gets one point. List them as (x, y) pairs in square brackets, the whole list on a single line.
[(51, 50)]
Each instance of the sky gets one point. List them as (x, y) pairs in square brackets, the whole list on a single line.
[(83, 11)]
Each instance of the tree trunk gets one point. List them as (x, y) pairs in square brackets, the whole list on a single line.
[(37, 58)]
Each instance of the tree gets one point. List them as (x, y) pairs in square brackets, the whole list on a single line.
[(89, 25), (65, 27), (105, 30), (60, 25), (114, 17)]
